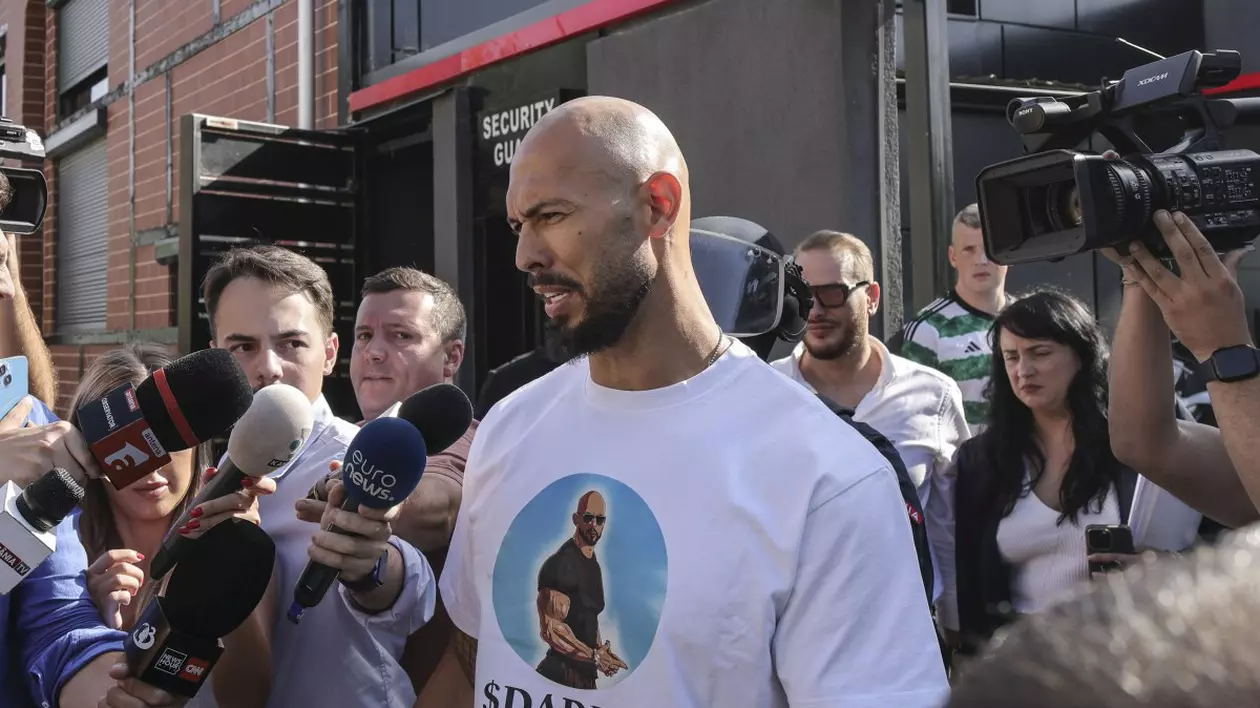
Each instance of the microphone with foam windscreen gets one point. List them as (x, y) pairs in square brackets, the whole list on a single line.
[(178, 637), (28, 522), (132, 431), (383, 465), (265, 439)]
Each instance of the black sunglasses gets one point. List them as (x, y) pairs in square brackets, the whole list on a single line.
[(835, 294), (588, 518)]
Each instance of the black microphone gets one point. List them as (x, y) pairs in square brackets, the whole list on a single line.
[(133, 431), (178, 637), (28, 523), (269, 434), (383, 465)]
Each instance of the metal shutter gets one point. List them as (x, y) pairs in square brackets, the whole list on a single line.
[(82, 237), (83, 42)]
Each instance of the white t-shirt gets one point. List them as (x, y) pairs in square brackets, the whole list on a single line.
[(755, 550)]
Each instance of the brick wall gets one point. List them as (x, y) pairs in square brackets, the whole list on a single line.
[(226, 77)]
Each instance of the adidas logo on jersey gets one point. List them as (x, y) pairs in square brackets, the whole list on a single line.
[(973, 348)]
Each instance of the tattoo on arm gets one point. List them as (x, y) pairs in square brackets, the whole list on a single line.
[(465, 649)]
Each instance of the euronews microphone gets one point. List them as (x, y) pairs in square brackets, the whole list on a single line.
[(177, 637), (29, 520), (265, 439), (133, 431), (383, 465)]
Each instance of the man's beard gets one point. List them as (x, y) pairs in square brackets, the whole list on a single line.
[(610, 305), (850, 336)]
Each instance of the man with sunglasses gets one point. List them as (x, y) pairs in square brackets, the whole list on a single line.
[(916, 407)]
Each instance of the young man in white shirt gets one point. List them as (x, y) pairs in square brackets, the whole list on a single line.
[(951, 334), (273, 309), (664, 520), (916, 407)]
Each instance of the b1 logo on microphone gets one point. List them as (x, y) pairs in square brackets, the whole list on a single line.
[(144, 636)]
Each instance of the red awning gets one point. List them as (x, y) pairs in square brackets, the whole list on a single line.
[(584, 18)]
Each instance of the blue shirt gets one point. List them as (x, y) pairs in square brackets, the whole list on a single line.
[(51, 627)]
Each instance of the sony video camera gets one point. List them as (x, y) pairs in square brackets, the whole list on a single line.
[(1057, 201), (29, 199)]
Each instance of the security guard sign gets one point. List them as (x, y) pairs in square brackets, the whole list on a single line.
[(500, 129)]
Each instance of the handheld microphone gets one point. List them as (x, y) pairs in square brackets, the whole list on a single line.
[(29, 520), (177, 638), (382, 466), (264, 440), (442, 413), (133, 431)]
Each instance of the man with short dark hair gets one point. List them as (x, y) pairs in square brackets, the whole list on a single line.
[(409, 335), (273, 309), (951, 334)]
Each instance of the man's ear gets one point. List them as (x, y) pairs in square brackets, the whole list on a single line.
[(331, 345), (952, 260), (453, 357), (872, 297), (665, 197)]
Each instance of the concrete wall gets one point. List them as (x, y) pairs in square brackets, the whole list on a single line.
[(241, 63)]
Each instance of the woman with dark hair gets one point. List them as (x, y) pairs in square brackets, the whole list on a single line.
[(1041, 471), (121, 530)]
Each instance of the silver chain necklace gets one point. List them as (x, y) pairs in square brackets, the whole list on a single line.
[(718, 349)]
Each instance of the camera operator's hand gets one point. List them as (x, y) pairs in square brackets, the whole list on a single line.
[(1204, 307)]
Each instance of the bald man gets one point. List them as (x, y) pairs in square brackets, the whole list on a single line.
[(762, 555)]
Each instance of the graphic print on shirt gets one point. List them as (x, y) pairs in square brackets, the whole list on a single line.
[(579, 583)]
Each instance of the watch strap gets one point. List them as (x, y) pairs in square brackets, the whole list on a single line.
[(372, 580)]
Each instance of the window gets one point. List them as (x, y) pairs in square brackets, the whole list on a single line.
[(389, 31), (82, 53), (82, 238)]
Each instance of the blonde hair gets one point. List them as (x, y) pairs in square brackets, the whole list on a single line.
[(838, 242)]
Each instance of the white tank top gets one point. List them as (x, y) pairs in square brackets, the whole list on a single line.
[(1048, 561)]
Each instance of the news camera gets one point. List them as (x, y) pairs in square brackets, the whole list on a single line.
[(1058, 200), (28, 199)]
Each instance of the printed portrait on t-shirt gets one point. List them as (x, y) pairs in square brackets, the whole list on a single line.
[(580, 580)]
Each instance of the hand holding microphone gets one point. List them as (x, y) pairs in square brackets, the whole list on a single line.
[(113, 580), (267, 436), (351, 542)]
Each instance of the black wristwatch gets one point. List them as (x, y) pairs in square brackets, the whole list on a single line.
[(372, 580), (1231, 364)]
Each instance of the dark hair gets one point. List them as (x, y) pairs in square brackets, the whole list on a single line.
[(448, 311), (1009, 440), (274, 265), (132, 364), (6, 191), (1167, 632)]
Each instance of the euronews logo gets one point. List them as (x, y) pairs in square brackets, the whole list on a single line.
[(371, 481)]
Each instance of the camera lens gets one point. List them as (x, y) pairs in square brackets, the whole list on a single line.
[(8, 379), (1100, 539), (1063, 206)]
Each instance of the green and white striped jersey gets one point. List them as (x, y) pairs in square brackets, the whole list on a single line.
[(953, 337)]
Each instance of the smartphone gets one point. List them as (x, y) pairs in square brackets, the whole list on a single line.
[(1108, 538)]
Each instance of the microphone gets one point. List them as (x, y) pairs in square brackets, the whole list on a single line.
[(29, 520), (269, 434), (133, 431), (382, 466), (442, 412), (178, 637)]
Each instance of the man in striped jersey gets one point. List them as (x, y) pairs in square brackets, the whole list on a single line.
[(952, 334)]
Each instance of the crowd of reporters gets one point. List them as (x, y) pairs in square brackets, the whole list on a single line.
[(1015, 426)]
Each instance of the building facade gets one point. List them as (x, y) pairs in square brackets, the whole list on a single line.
[(780, 108)]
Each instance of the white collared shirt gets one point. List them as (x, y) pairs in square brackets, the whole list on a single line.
[(338, 655), (920, 410)]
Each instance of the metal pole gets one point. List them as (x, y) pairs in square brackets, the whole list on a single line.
[(930, 143), (306, 64)]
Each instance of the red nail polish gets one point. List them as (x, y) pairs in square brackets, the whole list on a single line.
[(140, 556), (247, 482), (195, 513), (192, 524), (182, 530)]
